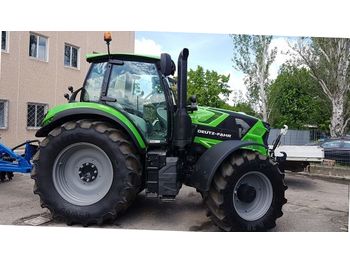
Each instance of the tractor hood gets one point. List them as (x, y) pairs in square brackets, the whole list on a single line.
[(215, 125), (213, 117)]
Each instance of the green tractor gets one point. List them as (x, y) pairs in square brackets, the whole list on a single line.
[(130, 131)]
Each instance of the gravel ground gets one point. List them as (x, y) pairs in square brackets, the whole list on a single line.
[(313, 205)]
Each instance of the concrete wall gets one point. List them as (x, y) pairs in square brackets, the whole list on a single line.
[(24, 79)]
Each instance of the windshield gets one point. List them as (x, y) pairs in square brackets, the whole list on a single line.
[(93, 83), (331, 144)]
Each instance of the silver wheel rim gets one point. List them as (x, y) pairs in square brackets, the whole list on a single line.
[(258, 207), (82, 174)]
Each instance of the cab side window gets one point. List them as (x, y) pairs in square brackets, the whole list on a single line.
[(137, 89)]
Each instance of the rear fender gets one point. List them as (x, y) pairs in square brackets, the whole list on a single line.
[(91, 113), (210, 161)]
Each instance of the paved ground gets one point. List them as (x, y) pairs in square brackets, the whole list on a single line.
[(313, 205)]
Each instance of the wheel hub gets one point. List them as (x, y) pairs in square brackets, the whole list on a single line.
[(82, 174), (246, 193), (252, 195), (88, 172)]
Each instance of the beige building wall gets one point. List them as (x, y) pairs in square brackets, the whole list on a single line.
[(24, 79)]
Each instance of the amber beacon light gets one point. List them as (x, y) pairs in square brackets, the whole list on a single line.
[(108, 38)]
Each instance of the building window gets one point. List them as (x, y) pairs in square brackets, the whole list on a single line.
[(35, 114), (38, 47), (4, 41), (3, 114), (71, 56)]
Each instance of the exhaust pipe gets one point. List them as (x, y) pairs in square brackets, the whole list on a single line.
[(182, 78), (182, 121)]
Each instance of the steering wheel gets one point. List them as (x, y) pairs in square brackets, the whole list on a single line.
[(148, 96)]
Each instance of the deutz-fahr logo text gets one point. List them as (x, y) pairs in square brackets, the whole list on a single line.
[(213, 133)]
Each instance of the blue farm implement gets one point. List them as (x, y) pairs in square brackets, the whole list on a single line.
[(12, 162)]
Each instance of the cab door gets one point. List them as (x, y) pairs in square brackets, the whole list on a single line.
[(139, 92)]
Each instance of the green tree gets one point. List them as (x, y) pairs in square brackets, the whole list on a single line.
[(253, 56), (211, 88), (329, 62), (296, 100), (241, 107)]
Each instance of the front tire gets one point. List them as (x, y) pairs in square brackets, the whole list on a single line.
[(86, 172), (247, 193)]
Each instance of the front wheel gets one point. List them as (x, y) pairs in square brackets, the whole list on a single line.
[(247, 193), (86, 172)]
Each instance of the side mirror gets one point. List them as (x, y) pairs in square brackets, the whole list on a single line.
[(167, 65), (73, 95), (66, 96), (193, 104), (193, 99)]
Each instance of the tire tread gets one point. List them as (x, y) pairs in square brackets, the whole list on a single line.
[(215, 199), (129, 191)]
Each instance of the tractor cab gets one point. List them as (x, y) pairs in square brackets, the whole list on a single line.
[(136, 88)]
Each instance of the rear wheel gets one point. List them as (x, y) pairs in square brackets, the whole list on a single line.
[(247, 193), (86, 172)]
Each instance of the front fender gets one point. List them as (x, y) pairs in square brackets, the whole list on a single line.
[(210, 161)]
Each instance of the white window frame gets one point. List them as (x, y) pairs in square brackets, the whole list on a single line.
[(37, 126), (6, 113), (36, 57), (7, 48), (70, 56)]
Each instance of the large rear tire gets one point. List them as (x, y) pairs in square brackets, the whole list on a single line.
[(86, 172), (247, 193)]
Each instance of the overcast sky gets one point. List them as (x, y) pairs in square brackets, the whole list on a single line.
[(212, 51)]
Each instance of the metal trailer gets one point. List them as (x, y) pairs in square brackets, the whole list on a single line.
[(299, 157), (12, 162)]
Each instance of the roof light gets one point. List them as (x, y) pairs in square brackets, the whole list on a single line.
[(107, 37)]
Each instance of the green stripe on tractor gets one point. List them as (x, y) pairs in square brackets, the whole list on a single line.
[(207, 117), (106, 109), (206, 142), (256, 134)]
